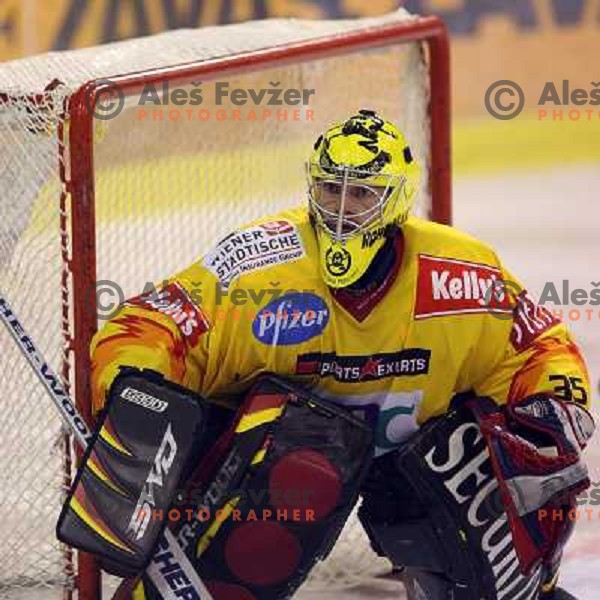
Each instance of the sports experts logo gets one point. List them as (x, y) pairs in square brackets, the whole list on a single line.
[(355, 369)]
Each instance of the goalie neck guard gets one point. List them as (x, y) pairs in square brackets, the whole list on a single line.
[(362, 180)]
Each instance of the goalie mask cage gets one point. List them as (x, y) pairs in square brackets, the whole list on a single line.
[(135, 197)]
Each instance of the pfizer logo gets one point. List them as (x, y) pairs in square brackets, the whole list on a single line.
[(291, 319)]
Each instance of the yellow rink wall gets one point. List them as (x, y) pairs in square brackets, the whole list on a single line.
[(485, 145)]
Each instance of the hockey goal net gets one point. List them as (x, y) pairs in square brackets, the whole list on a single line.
[(113, 170)]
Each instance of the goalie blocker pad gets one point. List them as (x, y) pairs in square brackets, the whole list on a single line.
[(273, 497), (131, 470)]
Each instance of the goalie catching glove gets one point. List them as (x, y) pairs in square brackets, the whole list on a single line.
[(535, 448)]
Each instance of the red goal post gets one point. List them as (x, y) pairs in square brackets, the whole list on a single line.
[(89, 228)]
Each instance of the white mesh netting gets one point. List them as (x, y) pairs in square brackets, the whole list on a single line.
[(166, 188)]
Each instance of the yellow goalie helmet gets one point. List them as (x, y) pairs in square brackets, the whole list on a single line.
[(362, 180)]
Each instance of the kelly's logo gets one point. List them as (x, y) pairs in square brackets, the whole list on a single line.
[(449, 287)]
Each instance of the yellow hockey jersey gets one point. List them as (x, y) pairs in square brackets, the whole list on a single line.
[(440, 323)]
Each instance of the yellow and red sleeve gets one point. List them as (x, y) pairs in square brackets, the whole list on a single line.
[(163, 330), (538, 355)]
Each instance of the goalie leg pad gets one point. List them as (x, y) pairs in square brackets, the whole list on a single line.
[(276, 499), (131, 470)]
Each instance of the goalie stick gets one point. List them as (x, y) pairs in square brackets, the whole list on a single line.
[(74, 422)]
